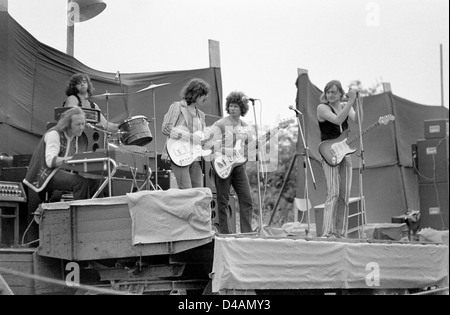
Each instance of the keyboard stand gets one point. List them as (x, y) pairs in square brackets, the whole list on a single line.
[(97, 160)]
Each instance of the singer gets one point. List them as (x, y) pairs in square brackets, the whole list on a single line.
[(333, 115), (78, 90)]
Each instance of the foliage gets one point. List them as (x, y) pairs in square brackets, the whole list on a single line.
[(272, 182)]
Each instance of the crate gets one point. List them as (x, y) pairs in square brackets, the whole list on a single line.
[(97, 231), (18, 260)]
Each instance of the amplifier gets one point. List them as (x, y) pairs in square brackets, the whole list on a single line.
[(12, 191), (166, 180), (436, 128), (432, 160)]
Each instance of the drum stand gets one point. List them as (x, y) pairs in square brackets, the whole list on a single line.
[(152, 87)]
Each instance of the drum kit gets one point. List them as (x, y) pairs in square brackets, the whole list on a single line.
[(133, 130)]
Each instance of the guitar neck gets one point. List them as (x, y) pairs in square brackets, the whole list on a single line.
[(262, 139), (364, 132)]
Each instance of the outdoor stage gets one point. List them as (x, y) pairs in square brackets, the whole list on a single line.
[(245, 264)]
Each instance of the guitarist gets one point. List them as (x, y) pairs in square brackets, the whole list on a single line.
[(333, 115), (233, 128), (181, 122)]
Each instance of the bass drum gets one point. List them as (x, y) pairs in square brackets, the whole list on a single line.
[(136, 131)]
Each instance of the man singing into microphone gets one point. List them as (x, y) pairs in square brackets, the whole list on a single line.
[(333, 115)]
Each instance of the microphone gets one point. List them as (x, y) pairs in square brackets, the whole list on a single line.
[(295, 110), (346, 97), (250, 99), (117, 77)]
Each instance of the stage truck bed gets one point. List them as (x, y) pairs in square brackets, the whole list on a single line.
[(144, 223)]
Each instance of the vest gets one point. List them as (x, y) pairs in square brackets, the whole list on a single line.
[(39, 174), (328, 130)]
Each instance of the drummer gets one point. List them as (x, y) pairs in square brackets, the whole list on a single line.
[(78, 90)]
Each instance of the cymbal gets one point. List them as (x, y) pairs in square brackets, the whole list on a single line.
[(108, 95), (152, 86)]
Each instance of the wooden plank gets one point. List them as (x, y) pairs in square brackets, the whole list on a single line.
[(48, 268), (105, 225), (214, 53), (17, 281), (89, 213), (104, 236), (26, 267), (120, 249), (15, 258)]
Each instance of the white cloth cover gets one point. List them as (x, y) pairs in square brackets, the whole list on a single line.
[(170, 215), (269, 263)]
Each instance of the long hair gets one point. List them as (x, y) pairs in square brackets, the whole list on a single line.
[(194, 89), (239, 99), (337, 84), (71, 88), (64, 123)]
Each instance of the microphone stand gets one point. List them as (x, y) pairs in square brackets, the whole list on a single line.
[(261, 231), (306, 161), (106, 146), (154, 139), (361, 169)]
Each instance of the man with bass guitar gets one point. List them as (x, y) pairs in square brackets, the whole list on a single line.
[(333, 115), (233, 128)]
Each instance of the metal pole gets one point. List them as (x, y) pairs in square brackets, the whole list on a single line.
[(154, 139), (70, 32), (442, 76)]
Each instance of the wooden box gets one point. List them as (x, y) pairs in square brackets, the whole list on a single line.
[(98, 231), (21, 261)]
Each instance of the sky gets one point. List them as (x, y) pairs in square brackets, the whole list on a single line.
[(263, 43)]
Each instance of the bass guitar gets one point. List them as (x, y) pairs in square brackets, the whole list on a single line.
[(333, 151), (183, 152), (223, 164)]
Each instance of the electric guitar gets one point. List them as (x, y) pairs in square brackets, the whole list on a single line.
[(333, 151), (183, 152), (223, 164)]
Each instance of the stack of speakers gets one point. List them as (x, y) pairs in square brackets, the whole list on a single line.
[(431, 158)]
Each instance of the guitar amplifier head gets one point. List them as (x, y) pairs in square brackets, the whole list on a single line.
[(12, 191)]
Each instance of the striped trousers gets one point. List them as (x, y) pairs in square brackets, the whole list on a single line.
[(339, 184)]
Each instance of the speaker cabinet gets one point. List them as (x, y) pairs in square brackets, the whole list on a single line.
[(231, 213), (123, 186), (166, 179), (433, 160), (434, 206), (91, 140)]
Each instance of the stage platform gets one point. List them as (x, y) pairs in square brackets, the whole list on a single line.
[(248, 263)]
